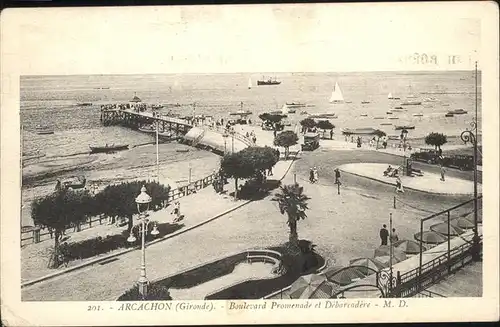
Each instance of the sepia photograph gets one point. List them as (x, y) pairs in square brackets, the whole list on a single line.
[(226, 164)]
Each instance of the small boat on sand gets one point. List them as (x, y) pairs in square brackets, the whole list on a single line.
[(404, 127), (182, 150), (84, 104), (43, 130), (108, 148), (76, 182), (457, 112)]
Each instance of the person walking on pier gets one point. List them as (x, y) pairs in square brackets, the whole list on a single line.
[(384, 234), (311, 176)]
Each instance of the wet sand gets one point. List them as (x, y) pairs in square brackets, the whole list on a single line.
[(39, 178)]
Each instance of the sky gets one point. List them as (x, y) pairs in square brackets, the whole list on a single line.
[(246, 38)]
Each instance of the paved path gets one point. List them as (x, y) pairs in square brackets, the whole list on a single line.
[(34, 257), (429, 182), (229, 234)]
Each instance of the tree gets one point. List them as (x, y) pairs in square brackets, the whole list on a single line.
[(436, 139), (59, 211), (286, 139), (379, 134), (234, 165), (292, 201), (259, 158), (324, 125), (119, 200), (307, 124)]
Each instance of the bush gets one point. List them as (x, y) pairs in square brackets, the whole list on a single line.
[(255, 190), (155, 293), (99, 245)]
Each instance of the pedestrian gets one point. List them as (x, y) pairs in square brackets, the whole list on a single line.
[(442, 173), (399, 185), (316, 178), (337, 176), (311, 176), (384, 234), (331, 134), (394, 236), (254, 139), (177, 211)]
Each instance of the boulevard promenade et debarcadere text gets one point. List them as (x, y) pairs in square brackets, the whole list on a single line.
[(243, 305)]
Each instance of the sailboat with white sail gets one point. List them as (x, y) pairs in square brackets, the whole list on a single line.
[(249, 83), (391, 97), (337, 96)]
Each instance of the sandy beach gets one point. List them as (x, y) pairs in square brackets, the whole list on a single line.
[(39, 178)]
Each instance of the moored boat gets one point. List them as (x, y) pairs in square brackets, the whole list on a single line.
[(268, 81), (449, 115), (404, 127), (84, 104), (391, 97), (43, 130), (398, 108), (364, 115), (359, 131), (296, 104), (385, 124), (418, 115), (379, 117), (389, 112), (393, 118), (411, 103), (108, 148)]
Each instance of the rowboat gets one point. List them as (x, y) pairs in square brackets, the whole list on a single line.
[(43, 130), (108, 148), (404, 127), (457, 112)]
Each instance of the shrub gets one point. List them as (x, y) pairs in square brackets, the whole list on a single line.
[(155, 293)]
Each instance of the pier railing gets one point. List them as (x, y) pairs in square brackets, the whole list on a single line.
[(30, 235)]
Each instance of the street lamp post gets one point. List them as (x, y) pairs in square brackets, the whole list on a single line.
[(471, 136), (225, 135), (143, 200)]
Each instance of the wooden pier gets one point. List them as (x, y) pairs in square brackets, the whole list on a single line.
[(134, 119)]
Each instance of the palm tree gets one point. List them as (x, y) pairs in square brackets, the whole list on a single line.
[(292, 201)]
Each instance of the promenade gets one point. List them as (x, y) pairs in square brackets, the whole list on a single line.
[(429, 182), (329, 225)]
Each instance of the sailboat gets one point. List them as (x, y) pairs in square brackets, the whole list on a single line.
[(391, 97), (284, 109), (411, 95), (337, 96), (249, 82), (411, 102)]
